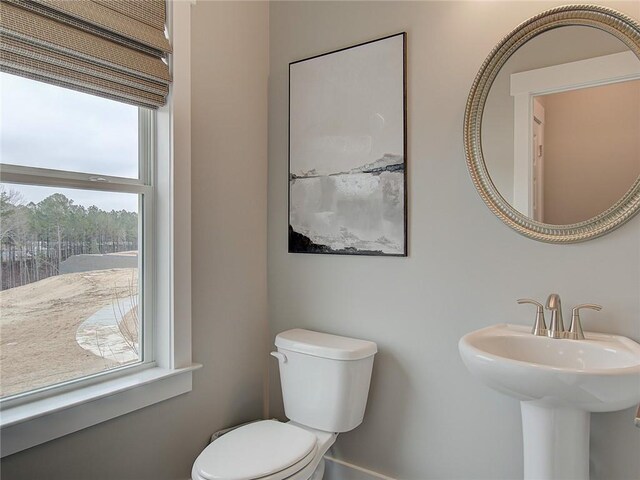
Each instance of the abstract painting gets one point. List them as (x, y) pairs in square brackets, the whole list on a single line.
[(347, 144)]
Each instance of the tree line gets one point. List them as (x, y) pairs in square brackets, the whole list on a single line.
[(36, 237)]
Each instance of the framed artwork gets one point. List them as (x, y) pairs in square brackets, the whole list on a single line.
[(347, 151)]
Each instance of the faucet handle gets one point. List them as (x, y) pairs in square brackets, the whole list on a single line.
[(592, 306), (532, 302), (539, 327), (575, 329)]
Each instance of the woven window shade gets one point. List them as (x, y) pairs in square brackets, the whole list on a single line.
[(111, 48)]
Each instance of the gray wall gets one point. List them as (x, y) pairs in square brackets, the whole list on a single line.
[(229, 74), (427, 416)]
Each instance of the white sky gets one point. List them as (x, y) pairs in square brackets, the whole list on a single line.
[(45, 126)]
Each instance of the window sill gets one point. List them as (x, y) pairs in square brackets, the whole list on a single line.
[(36, 422)]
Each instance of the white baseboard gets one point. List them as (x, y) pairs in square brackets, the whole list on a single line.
[(340, 470)]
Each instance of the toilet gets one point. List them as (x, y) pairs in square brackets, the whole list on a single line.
[(325, 383)]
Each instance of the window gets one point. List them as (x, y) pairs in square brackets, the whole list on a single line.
[(116, 175), (73, 286)]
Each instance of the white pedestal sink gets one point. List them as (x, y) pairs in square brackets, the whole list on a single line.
[(559, 383)]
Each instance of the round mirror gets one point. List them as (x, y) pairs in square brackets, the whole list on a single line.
[(552, 126)]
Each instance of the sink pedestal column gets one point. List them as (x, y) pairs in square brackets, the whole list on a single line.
[(555, 442)]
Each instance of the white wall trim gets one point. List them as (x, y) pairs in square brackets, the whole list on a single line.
[(340, 470), (181, 177), (29, 425), (618, 67)]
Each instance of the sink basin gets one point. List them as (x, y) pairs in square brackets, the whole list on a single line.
[(559, 382), (598, 374)]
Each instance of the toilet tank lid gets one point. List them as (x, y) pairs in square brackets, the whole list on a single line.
[(325, 345)]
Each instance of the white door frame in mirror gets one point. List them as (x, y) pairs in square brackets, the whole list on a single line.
[(592, 72), (624, 28)]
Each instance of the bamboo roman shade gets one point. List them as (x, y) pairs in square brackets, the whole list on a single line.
[(111, 48)]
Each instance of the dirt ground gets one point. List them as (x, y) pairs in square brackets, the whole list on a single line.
[(38, 324)]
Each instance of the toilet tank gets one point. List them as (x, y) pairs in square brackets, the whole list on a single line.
[(325, 378)]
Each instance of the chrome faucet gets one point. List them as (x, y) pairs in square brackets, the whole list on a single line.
[(556, 327)]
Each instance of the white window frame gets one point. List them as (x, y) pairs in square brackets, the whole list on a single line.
[(79, 404)]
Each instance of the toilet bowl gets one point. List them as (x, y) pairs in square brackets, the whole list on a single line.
[(265, 450), (325, 383)]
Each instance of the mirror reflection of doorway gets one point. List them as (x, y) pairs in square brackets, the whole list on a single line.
[(537, 175), (576, 143)]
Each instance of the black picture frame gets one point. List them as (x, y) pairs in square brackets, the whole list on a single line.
[(389, 176)]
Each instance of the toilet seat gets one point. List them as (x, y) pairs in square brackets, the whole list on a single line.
[(265, 450)]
